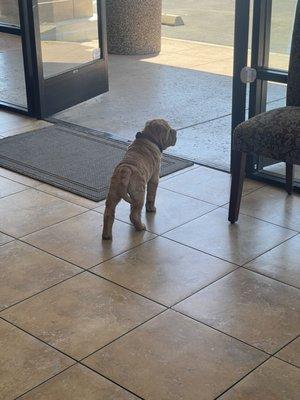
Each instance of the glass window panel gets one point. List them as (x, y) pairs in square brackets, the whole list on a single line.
[(283, 14), (12, 77), (9, 12), (69, 34)]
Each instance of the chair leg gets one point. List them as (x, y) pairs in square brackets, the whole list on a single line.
[(289, 178), (238, 174)]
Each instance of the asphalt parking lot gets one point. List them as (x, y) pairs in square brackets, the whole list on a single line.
[(212, 21)]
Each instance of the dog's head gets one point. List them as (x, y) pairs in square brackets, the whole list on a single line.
[(161, 132)]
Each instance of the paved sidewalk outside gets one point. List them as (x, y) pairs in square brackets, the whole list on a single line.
[(212, 21), (188, 83)]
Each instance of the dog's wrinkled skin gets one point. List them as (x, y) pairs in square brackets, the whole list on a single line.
[(138, 171)]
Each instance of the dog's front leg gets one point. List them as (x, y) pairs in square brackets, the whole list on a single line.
[(151, 193)]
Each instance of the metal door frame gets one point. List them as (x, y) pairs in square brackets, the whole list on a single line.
[(261, 34), (21, 31), (43, 94)]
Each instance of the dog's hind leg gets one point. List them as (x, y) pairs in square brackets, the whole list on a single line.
[(151, 193), (109, 216), (137, 203)]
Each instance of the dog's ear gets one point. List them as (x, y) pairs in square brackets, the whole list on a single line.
[(156, 127), (172, 137)]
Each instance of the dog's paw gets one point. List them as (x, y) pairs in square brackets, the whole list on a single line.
[(141, 227), (150, 209)]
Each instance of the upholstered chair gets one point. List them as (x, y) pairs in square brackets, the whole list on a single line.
[(274, 134)]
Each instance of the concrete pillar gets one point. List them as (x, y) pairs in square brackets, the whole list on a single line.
[(134, 26)]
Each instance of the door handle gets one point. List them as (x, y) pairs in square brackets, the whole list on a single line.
[(248, 75)]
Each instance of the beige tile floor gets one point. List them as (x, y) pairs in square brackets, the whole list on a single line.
[(193, 308)]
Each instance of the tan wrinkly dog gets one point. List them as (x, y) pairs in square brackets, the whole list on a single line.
[(138, 170)]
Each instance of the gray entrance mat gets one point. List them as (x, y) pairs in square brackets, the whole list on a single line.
[(80, 162)]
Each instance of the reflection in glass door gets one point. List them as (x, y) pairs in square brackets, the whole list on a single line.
[(273, 22), (282, 21), (274, 44), (71, 51), (69, 34), (53, 54), (12, 76)]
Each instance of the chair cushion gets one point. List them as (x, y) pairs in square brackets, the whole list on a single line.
[(274, 134)]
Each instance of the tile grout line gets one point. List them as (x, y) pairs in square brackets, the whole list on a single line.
[(112, 381), (116, 339), (21, 238), (63, 199), (80, 361), (286, 362), (201, 251), (223, 333), (45, 381), (268, 222), (166, 308), (240, 265), (204, 287), (71, 366), (124, 287), (242, 378), (149, 299), (123, 334), (285, 345), (131, 330), (37, 338), (83, 270), (250, 372), (46, 227), (130, 290), (269, 277), (20, 191), (40, 292), (161, 234), (156, 301), (244, 265), (76, 361), (47, 252), (244, 194), (168, 230), (21, 183), (186, 195), (60, 198), (87, 270), (197, 198), (282, 348), (295, 233), (144, 322)]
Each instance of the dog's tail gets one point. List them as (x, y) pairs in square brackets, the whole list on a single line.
[(125, 173)]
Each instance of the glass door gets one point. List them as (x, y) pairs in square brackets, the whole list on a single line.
[(53, 54), (71, 53), (266, 74)]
